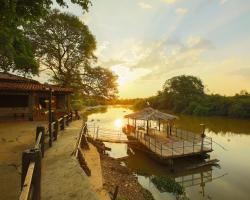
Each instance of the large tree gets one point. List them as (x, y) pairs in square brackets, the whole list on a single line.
[(179, 91), (184, 86), (15, 49), (65, 47)]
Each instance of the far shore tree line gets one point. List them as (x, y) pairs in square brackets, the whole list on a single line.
[(35, 38), (186, 95)]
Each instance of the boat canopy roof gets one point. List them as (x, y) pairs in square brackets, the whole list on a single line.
[(151, 114)]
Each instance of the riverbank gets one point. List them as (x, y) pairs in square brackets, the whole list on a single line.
[(115, 174)]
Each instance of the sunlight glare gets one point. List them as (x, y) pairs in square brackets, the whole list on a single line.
[(121, 80), (118, 123)]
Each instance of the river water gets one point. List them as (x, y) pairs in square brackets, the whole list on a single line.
[(230, 180)]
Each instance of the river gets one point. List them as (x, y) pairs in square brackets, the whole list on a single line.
[(230, 180)]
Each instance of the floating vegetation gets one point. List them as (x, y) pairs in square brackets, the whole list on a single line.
[(168, 184)]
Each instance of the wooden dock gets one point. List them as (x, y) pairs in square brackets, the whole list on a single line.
[(179, 144)]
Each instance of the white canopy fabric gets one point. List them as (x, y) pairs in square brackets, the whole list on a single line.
[(151, 114)]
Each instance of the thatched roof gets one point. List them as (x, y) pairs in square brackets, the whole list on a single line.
[(151, 114)]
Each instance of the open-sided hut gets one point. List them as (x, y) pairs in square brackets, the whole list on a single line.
[(149, 115), (20, 96)]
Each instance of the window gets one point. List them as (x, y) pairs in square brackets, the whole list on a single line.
[(8, 101)]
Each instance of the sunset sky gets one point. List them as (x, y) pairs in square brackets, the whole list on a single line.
[(146, 42)]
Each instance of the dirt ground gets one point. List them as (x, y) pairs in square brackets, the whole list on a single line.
[(62, 176), (15, 137)]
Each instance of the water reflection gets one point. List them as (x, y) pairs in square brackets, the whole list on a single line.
[(217, 125), (118, 123)]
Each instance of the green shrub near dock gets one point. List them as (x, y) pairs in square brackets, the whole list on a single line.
[(168, 184)]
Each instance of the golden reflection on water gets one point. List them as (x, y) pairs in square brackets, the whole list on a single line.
[(118, 123)]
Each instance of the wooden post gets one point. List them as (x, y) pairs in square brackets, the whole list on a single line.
[(28, 156), (171, 162), (170, 128), (172, 149), (42, 130), (202, 136), (85, 129), (63, 123), (115, 193), (183, 146), (161, 149), (193, 144), (147, 127), (159, 125), (155, 145), (67, 120), (56, 127), (97, 132), (37, 175), (50, 117), (77, 115)]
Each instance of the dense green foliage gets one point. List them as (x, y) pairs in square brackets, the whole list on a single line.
[(65, 47), (185, 94), (15, 49)]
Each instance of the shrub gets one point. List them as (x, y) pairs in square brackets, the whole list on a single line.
[(168, 184)]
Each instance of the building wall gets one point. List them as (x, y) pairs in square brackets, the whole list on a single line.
[(32, 105), (14, 105)]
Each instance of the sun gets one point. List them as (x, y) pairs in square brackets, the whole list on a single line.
[(118, 123), (121, 80)]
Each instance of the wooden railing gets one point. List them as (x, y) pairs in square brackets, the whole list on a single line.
[(32, 158), (82, 143), (106, 134), (80, 139)]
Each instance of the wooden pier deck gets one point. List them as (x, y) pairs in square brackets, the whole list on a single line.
[(179, 144)]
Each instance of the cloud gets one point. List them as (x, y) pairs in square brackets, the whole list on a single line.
[(170, 1), (159, 58), (145, 5), (243, 72), (199, 43), (131, 74), (181, 11), (223, 1)]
